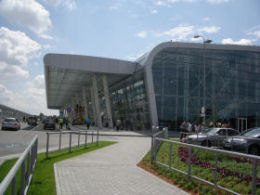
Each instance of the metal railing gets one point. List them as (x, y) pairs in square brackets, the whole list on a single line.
[(80, 133), (26, 163), (251, 158), (155, 144)]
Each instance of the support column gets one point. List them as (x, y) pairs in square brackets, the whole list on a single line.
[(107, 99), (74, 105), (93, 105), (95, 90), (85, 102)]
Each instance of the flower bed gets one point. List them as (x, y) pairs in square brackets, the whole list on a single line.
[(183, 154)]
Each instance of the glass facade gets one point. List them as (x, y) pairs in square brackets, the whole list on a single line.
[(232, 85), (129, 102)]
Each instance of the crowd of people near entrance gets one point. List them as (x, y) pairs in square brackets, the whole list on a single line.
[(63, 122), (188, 127)]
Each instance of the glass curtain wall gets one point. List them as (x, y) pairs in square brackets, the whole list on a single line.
[(232, 86), (129, 102)]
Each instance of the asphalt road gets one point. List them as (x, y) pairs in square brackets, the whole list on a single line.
[(12, 143)]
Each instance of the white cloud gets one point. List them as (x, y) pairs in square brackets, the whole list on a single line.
[(137, 55), (16, 49), (115, 6), (217, 1), (178, 33), (142, 34), (134, 57), (209, 29), (154, 11), (8, 72), (34, 103), (199, 39), (160, 3), (206, 19), (38, 81), (255, 31), (184, 32), (6, 96), (168, 3), (28, 13), (240, 42), (69, 4)]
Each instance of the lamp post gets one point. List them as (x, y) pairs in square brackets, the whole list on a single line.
[(203, 109)]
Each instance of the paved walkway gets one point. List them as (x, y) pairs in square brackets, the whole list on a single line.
[(111, 170)]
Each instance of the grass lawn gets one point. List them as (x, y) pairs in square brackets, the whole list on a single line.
[(202, 160), (43, 182)]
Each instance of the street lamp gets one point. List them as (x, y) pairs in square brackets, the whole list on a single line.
[(204, 75)]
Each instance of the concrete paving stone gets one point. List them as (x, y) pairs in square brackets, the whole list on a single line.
[(111, 170)]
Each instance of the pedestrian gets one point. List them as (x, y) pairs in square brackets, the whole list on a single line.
[(183, 127), (66, 122), (203, 126), (118, 124), (197, 127), (189, 127), (61, 122), (211, 124), (88, 122)]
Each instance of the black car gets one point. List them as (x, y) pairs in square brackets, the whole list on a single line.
[(49, 123), (32, 120), (211, 137), (248, 142)]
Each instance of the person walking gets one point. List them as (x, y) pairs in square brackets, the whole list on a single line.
[(197, 127), (88, 122), (189, 127), (118, 124), (61, 122), (66, 122), (183, 127)]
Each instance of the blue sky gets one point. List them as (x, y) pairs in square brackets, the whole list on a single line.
[(109, 28)]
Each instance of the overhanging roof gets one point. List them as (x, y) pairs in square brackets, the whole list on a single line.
[(65, 75)]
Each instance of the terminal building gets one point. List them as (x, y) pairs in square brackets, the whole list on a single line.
[(6, 112), (171, 83)]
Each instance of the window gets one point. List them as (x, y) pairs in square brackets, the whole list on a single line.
[(232, 132), (222, 132)]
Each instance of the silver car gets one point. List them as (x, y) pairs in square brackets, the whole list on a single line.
[(211, 137), (11, 123)]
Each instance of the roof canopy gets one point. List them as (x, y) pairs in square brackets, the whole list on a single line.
[(65, 75)]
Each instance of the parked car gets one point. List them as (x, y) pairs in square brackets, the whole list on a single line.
[(11, 123), (32, 120), (211, 137), (248, 142), (49, 123)]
